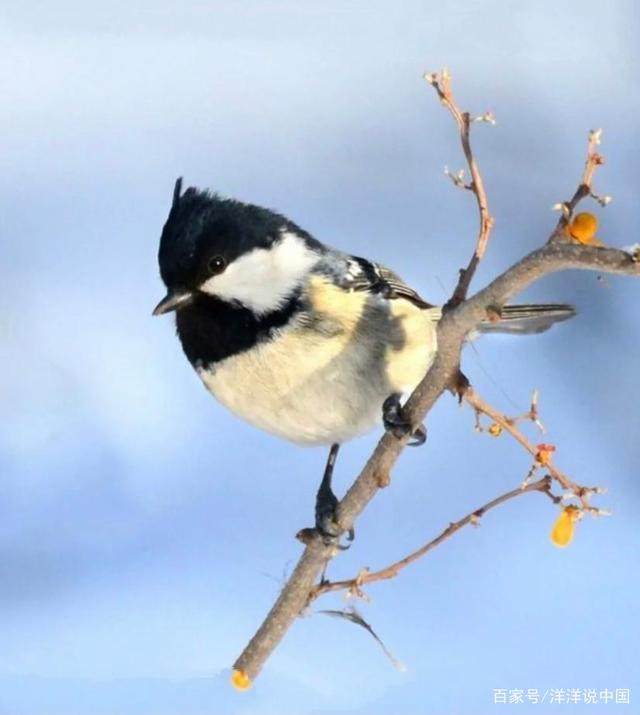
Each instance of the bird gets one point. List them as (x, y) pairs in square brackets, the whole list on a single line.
[(305, 341)]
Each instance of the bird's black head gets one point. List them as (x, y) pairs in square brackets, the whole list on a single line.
[(236, 252)]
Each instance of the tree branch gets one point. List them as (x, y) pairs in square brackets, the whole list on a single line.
[(462, 317)]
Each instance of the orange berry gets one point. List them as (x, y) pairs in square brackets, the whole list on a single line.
[(583, 229)]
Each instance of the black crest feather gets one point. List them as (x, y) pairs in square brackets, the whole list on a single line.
[(177, 190)]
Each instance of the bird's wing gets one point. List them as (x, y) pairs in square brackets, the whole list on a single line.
[(364, 275)]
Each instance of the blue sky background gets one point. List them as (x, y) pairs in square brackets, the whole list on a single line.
[(144, 531)]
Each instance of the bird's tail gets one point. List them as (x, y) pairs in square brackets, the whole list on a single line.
[(527, 319)]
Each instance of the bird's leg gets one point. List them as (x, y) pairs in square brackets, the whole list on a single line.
[(327, 502), (395, 422)]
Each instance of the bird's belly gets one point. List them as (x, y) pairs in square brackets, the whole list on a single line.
[(321, 410), (314, 387)]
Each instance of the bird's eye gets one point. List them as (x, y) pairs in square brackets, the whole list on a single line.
[(216, 264)]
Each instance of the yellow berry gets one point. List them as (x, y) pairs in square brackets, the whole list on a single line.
[(240, 680), (495, 430), (564, 527)]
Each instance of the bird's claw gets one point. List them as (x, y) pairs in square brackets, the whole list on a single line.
[(329, 538), (327, 525), (395, 422)]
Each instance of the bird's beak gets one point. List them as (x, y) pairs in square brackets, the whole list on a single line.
[(174, 300)]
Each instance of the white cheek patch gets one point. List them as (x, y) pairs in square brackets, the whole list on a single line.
[(264, 278)]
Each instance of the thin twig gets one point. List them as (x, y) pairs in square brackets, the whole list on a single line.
[(509, 424), (480, 406), (353, 585), (441, 82), (585, 188)]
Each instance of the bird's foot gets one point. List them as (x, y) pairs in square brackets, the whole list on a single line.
[(395, 422), (327, 524)]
